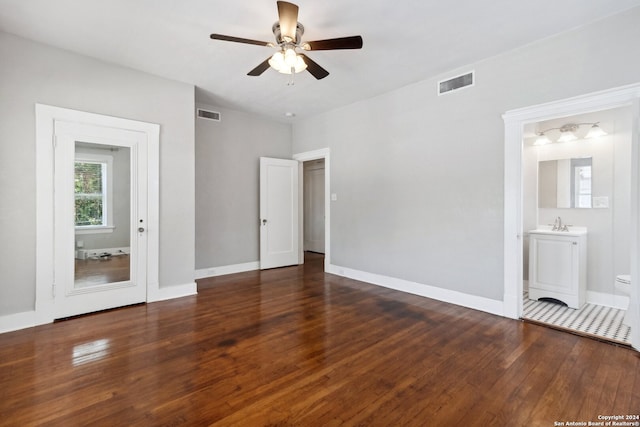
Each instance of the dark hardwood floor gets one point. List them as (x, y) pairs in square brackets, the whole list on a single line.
[(297, 347)]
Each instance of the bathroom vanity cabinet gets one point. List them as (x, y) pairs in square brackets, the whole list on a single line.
[(558, 265)]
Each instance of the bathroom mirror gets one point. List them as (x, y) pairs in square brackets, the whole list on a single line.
[(564, 183)]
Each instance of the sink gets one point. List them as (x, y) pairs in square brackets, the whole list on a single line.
[(573, 230)]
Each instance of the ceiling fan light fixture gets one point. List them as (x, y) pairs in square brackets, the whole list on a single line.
[(300, 64), (277, 61), (290, 57), (284, 62)]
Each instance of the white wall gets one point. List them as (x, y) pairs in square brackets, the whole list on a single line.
[(33, 73), (227, 184), (608, 228), (419, 178)]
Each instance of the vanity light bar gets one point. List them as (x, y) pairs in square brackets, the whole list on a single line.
[(567, 133)]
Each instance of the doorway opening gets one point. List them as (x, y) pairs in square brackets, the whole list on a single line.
[(313, 206), (317, 238), (585, 184), (515, 123)]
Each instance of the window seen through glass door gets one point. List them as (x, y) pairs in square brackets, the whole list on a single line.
[(90, 193)]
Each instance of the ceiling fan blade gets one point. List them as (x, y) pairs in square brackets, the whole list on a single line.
[(353, 42), (239, 40), (288, 17), (260, 68), (316, 71)]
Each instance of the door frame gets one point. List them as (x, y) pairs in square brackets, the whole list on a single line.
[(323, 153), (514, 122), (46, 116)]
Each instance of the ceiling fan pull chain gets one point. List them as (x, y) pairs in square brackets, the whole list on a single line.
[(293, 73)]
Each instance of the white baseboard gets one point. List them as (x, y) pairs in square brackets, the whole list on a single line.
[(28, 319), (156, 293), (433, 292), (14, 322), (227, 269), (609, 300)]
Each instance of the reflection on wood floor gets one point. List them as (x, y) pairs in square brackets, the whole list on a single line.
[(91, 272)]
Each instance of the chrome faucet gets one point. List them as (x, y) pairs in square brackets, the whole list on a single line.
[(558, 226)]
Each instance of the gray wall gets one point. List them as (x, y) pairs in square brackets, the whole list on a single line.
[(227, 184), (419, 178), (33, 73)]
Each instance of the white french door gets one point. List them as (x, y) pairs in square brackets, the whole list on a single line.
[(100, 239), (279, 234)]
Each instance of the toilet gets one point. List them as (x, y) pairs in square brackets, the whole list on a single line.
[(623, 287)]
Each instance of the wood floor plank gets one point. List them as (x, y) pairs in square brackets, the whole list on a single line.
[(298, 347)]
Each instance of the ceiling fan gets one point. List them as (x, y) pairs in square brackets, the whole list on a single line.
[(288, 33)]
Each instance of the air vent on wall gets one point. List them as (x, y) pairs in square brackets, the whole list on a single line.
[(209, 115), (455, 83)]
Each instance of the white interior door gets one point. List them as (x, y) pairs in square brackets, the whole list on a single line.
[(314, 206), (278, 212), (100, 243)]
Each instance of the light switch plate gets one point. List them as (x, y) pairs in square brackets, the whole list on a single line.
[(334, 197), (600, 202)]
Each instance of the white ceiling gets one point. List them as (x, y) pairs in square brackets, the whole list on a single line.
[(404, 41)]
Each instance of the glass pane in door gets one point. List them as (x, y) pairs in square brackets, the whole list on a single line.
[(102, 214)]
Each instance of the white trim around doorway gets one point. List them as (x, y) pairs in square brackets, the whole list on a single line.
[(514, 122), (46, 116)]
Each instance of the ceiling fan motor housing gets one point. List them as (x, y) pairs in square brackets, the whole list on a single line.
[(278, 34)]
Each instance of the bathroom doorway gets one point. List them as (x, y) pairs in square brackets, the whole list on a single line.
[(576, 173), (515, 122)]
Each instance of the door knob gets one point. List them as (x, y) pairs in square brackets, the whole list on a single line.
[(140, 229), (264, 222)]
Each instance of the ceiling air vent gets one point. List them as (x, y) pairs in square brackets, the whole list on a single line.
[(455, 83), (209, 115)]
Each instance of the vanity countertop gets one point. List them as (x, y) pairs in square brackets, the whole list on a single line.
[(547, 229)]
